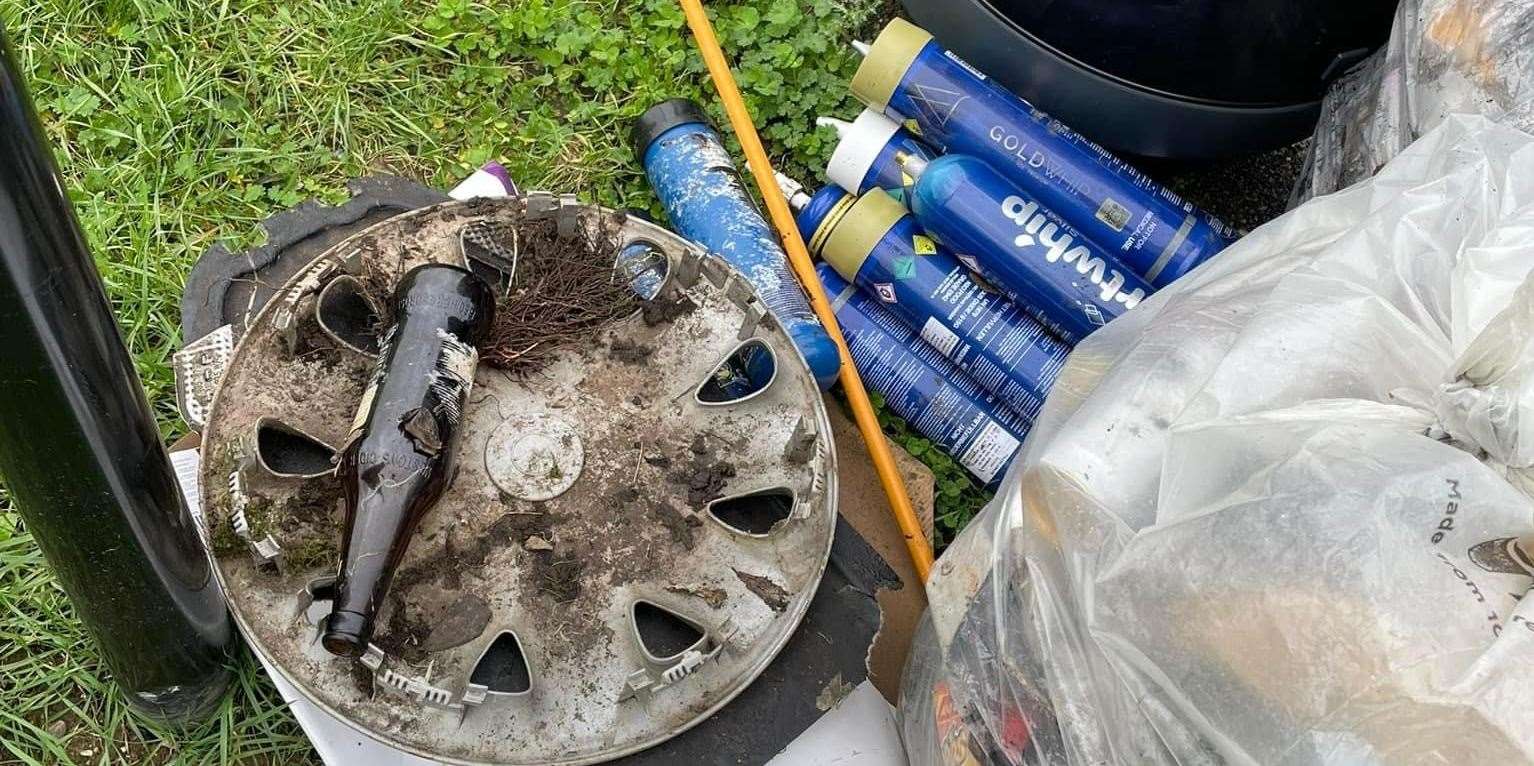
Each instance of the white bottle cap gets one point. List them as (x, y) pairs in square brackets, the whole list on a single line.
[(861, 142), (793, 191)]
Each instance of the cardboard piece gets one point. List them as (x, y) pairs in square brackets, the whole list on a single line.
[(865, 508)]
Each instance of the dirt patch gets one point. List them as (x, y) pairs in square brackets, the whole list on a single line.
[(315, 393), (453, 560), (704, 475), (630, 352), (406, 632), (771, 593), (362, 678), (458, 623), (415, 631), (658, 311), (309, 525), (563, 293), (558, 578), (680, 525)]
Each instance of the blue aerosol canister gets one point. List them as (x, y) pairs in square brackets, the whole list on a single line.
[(865, 154), (702, 193), (873, 242), (937, 399), (1069, 284), (954, 108)]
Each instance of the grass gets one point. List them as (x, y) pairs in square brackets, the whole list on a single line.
[(179, 123)]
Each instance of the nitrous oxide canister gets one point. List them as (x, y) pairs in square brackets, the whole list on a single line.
[(700, 188), (936, 398), (954, 108), (865, 154), (873, 242), (1067, 283)]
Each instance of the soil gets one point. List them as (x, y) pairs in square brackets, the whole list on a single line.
[(557, 578), (705, 476), (405, 632), (630, 352), (659, 311), (450, 563), (457, 623), (362, 678), (308, 525), (680, 525), (409, 633)]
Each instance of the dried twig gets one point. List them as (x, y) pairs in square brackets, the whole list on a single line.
[(563, 292)]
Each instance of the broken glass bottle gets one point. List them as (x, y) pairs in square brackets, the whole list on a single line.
[(400, 456)]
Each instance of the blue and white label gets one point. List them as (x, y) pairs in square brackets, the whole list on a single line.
[(956, 109), (937, 399), (957, 313), (941, 338), (1059, 245), (990, 452), (1061, 279)]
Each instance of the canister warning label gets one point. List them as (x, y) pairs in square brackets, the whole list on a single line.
[(990, 452), (941, 338)]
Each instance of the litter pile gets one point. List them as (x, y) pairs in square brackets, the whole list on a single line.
[(524, 480)]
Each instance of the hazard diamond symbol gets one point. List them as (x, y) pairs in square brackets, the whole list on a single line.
[(938, 103), (885, 291)]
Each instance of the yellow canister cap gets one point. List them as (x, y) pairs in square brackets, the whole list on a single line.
[(887, 61), (847, 246)]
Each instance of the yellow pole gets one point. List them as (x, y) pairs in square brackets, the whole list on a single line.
[(799, 258)]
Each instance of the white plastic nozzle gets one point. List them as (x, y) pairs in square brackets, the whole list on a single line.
[(862, 140), (861, 47), (793, 191)]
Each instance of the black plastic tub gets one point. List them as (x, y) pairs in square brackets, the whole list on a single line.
[(1179, 79)]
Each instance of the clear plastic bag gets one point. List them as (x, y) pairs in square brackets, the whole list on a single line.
[(1444, 57), (1278, 514)]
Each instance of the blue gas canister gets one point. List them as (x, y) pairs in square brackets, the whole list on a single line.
[(937, 399), (954, 108), (1067, 283), (704, 198), (865, 154), (876, 244)]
